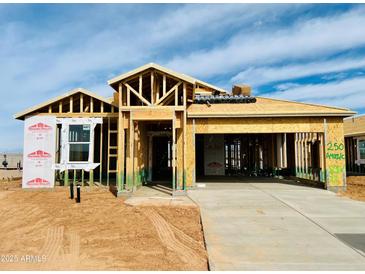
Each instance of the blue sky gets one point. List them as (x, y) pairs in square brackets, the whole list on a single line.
[(309, 53)]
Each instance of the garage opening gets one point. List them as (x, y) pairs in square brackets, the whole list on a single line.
[(254, 155)]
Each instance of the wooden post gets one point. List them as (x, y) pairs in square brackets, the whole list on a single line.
[(285, 159), (296, 153), (108, 152), (120, 162), (74, 179), (49, 109), (306, 154), (131, 151), (101, 154), (194, 152), (82, 177), (91, 179), (66, 178), (60, 107), (140, 85), (184, 138), (173, 151), (102, 107)]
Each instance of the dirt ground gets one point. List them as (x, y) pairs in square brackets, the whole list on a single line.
[(45, 230), (355, 188)]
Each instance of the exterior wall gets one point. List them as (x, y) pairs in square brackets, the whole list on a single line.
[(332, 127)]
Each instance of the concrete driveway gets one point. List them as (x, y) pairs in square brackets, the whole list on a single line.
[(268, 225)]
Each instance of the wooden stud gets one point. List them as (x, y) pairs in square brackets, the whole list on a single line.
[(81, 102), (91, 104), (152, 83), (60, 107), (131, 150), (82, 177), (71, 104), (101, 154), (120, 151), (128, 95), (164, 85), (140, 85), (176, 96), (91, 177), (50, 109), (108, 154)]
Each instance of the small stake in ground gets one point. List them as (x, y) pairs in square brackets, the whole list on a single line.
[(71, 191), (78, 198)]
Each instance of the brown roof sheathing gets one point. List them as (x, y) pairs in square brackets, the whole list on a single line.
[(354, 126), (265, 107)]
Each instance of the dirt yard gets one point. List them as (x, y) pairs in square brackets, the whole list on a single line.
[(45, 230), (355, 188)]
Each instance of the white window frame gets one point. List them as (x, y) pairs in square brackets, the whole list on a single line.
[(90, 143)]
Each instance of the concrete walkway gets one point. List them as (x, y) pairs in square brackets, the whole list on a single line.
[(261, 225)]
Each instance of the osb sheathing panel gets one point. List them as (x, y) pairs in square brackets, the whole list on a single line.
[(335, 153), (354, 126), (258, 125)]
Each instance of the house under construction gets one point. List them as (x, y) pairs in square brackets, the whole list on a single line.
[(164, 126)]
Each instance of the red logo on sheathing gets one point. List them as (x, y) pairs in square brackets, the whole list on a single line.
[(40, 127), (39, 154), (38, 182)]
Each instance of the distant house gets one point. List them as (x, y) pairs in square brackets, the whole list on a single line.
[(11, 160), (354, 129)]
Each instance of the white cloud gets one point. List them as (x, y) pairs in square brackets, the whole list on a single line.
[(348, 93), (317, 37), (266, 74)]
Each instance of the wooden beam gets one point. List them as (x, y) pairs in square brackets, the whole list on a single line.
[(129, 88), (169, 93)]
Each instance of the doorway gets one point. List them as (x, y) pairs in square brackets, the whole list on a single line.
[(162, 158)]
